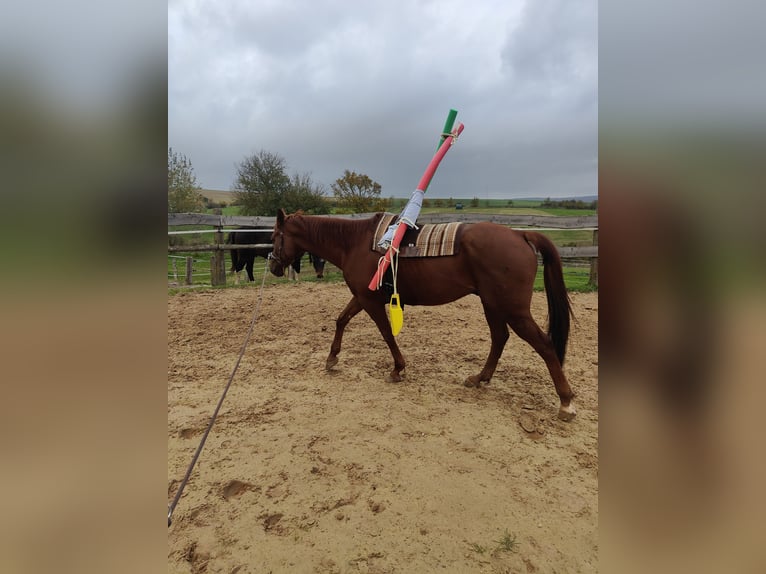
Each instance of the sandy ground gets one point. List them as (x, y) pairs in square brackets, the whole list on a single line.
[(334, 472)]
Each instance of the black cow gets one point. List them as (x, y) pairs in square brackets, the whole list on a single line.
[(245, 258)]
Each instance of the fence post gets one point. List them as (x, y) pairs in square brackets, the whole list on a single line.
[(189, 269), (217, 261), (594, 263)]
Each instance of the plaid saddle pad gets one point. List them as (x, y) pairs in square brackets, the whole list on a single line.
[(436, 240)]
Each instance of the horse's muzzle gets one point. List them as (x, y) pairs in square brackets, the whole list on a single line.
[(275, 265)]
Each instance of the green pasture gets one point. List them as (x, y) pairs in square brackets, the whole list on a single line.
[(229, 210), (569, 237)]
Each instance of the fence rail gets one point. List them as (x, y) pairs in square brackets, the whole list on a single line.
[(552, 221), (218, 247), (533, 222)]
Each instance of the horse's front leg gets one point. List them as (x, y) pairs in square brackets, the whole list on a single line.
[(346, 315), (377, 311)]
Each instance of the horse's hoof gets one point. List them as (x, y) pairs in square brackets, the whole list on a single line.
[(472, 382), (567, 413), (394, 377), (331, 362)]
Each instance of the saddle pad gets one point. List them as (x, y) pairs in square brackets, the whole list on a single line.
[(429, 240)]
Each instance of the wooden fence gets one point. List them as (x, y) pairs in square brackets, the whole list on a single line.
[(222, 223)]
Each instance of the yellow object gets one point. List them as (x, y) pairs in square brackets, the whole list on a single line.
[(396, 314)]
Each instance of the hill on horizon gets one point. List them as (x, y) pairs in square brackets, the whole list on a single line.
[(576, 197), (219, 195)]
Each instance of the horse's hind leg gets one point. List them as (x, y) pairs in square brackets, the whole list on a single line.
[(527, 329), (345, 316), (499, 332)]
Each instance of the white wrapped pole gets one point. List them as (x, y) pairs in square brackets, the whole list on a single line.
[(409, 215)]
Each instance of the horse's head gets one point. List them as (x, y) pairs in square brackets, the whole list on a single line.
[(284, 250)]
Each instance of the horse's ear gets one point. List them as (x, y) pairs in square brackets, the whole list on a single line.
[(281, 217)]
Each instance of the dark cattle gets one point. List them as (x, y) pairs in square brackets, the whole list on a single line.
[(495, 262), (245, 258)]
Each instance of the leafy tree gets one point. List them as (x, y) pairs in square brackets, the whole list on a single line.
[(263, 187), (303, 194), (357, 193), (183, 193), (262, 184)]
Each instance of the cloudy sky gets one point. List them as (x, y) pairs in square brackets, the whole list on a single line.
[(366, 86)]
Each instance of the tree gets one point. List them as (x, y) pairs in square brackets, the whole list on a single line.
[(304, 195), (262, 184), (357, 193), (183, 192)]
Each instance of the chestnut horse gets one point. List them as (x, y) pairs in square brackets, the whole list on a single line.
[(495, 262)]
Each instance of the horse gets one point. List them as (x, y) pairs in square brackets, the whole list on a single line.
[(495, 262), (245, 258)]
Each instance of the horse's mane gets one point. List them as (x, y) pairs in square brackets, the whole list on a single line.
[(346, 232)]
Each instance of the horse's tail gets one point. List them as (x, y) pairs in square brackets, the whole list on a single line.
[(559, 305)]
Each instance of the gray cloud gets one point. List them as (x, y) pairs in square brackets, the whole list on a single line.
[(343, 85), (683, 62)]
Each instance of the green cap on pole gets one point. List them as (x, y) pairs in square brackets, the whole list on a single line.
[(447, 126), (447, 129)]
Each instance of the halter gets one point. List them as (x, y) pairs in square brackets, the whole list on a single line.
[(273, 255)]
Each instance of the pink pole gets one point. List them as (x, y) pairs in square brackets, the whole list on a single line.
[(443, 149), (422, 186)]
